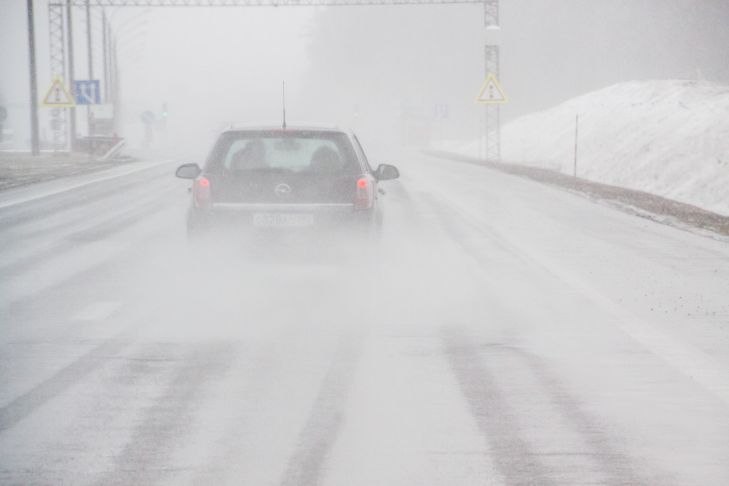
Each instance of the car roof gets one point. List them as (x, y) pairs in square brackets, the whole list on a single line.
[(301, 127)]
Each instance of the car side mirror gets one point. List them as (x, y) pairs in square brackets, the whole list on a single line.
[(188, 171), (386, 172)]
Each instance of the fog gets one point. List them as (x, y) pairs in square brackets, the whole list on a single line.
[(495, 323), (367, 67), (220, 66)]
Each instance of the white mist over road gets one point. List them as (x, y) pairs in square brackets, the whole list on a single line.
[(507, 333), (501, 331)]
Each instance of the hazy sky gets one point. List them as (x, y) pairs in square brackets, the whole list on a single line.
[(213, 66), (365, 65)]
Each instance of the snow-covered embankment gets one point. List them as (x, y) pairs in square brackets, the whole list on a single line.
[(669, 138)]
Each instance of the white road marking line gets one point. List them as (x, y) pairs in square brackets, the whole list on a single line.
[(32, 192), (98, 311), (58, 269)]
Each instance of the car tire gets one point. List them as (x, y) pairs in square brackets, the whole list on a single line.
[(197, 227)]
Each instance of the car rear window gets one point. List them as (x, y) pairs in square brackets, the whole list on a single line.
[(294, 151)]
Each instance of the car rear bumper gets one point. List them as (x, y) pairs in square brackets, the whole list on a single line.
[(275, 218)]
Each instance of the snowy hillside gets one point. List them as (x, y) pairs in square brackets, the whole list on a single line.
[(669, 138)]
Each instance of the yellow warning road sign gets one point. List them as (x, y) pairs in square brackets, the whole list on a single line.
[(491, 92), (58, 96)]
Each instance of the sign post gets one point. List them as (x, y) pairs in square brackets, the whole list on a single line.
[(492, 96), (88, 92), (148, 118), (57, 98)]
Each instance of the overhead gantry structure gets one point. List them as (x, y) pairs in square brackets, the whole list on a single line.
[(261, 3), (61, 44)]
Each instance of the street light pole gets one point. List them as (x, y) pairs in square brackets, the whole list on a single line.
[(34, 140), (115, 84), (493, 55), (114, 31), (71, 75), (90, 52), (105, 42)]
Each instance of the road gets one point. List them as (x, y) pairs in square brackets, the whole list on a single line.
[(507, 333)]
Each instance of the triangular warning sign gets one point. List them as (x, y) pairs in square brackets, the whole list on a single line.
[(492, 92), (58, 96)]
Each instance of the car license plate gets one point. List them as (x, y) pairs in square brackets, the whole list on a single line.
[(283, 219)]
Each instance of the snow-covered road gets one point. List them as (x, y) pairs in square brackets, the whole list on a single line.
[(512, 333)]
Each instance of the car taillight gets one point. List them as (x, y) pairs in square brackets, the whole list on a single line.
[(201, 193), (365, 195)]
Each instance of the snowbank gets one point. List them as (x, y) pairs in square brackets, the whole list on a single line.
[(669, 138)]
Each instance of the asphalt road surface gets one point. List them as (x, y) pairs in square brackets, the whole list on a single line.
[(503, 332)]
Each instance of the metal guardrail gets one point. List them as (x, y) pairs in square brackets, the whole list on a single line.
[(100, 147)]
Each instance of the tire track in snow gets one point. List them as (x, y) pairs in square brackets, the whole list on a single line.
[(254, 374), (27, 403), (598, 461), (512, 455), (144, 458), (306, 464), (614, 466)]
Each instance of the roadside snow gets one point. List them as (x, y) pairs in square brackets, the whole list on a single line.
[(669, 138)]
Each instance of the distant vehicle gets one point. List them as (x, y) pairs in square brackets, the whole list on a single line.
[(271, 179)]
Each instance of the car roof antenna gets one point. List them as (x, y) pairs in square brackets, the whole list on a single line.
[(283, 97)]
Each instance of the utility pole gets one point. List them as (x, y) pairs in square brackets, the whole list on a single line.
[(492, 64), (104, 42), (90, 52), (115, 82), (34, 140), (71, 76)]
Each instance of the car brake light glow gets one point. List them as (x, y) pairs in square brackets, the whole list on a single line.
[(365, 197), (201, 193)]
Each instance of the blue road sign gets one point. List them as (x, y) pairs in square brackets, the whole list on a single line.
[(87, 92), (148, 117)]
